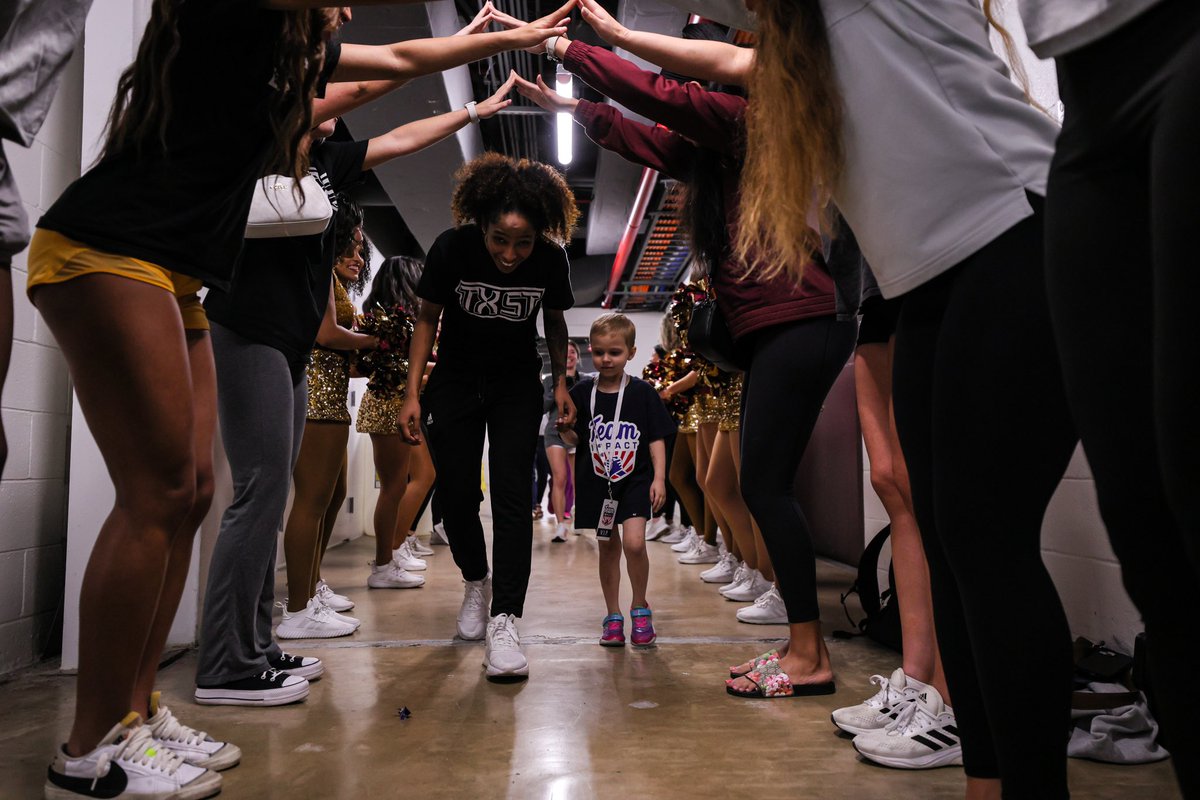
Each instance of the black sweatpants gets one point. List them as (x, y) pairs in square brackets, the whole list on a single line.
[(541, 471), (1123, 275), (459, 408), (983, 422), (792, 369)]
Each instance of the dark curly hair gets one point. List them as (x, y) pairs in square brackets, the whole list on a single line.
[(346, 220), (494, 184), (396, 284)]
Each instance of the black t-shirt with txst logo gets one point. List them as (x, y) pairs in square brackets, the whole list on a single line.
[(489, 317)]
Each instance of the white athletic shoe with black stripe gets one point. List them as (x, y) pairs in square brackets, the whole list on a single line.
[(128, 763), (882, 709), (924, 736)]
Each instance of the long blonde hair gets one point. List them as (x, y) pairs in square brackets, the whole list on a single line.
[(790, 168)]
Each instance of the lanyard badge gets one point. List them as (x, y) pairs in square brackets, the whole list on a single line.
[(608, 511)]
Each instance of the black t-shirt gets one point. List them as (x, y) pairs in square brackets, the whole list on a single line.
[(186, 210), (489, 321), (621, 451), (281, 286)]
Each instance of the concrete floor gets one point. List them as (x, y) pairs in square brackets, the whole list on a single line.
[(590, 722)]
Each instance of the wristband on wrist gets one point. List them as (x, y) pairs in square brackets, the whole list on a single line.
[(551, 43), (472, 113)]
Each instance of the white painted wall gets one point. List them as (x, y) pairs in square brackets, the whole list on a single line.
[(36, 406)]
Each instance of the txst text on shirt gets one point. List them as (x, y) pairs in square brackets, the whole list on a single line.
[(514, 304)]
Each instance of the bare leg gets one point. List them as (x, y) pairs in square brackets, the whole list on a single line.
[(391, 462), (558, 474), (756, 556), (329, 520), (722, 487), (610, 572), (421, 476), (637, 563), (889, 477), (322, 452), (683, 477), (134, 384), (703, 441), (204, 393)]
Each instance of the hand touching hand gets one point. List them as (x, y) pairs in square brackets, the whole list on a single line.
[(481, 21), (553, 24), (602, 22), (490, 107), (544, 96)]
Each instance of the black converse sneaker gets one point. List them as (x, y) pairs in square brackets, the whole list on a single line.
[(310, 668), (269, 688), (128, 763)]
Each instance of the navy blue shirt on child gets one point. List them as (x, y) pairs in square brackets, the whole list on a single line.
[(620, 452)]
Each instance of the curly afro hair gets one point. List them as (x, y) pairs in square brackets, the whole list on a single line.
[(494, 184)]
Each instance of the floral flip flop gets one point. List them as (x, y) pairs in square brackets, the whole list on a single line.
[(772, 683), (756, 663)]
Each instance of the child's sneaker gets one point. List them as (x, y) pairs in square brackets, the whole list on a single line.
[(613, 631), (643, 627), (128, 762)]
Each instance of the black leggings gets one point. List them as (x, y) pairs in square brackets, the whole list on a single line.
[(541, 471), (1123, 279), (792, 368), (985, 430), (459, 407)]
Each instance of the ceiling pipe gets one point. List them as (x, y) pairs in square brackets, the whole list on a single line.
[(629, 237)]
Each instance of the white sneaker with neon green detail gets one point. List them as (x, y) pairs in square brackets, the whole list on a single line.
[(195, 747)]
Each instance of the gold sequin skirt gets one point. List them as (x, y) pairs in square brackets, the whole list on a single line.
[(691, 420), (708, 408), (379, 412), (328, 386), (731, 406)]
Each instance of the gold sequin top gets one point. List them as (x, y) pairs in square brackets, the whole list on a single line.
[(329, 370)]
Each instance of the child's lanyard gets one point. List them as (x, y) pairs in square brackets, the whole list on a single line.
[(608, 511)]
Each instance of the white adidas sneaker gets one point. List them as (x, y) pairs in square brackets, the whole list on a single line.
[(882, 708), (768, 609), (924, 736), (723, 572), (406, 559), (338, 602), (751, 588), (128, 763), (702, 553), (195, 747), (676, 536), (502, 655), (657, 527), (419, 548), (688, 542), (392, 576)]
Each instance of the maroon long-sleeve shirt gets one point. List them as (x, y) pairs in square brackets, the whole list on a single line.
[(695, 117)]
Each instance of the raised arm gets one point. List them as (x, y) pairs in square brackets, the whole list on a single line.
[(419, 349), (410, 59), (555, 325), (700, 59), (421, 134), (656, 148)]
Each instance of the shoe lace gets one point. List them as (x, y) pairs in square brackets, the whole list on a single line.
[(170, 729), (880, 698), (473, 597), (910, 720), (320, 611), (270, 674), (504, 634), (739, 574), (138, 747), (767, 598)]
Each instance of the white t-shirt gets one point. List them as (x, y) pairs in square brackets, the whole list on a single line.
[(940, 144), (1056, 27)]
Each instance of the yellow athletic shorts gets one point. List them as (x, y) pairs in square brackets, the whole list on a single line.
[(53, 258)]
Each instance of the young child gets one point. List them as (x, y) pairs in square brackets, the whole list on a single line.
[(623, 423)]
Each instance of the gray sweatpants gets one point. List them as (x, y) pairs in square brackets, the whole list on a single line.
[(262, 403)]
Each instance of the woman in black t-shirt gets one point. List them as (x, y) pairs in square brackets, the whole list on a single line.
[(485, 281)]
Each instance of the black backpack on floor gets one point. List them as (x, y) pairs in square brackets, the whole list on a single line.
[(882, 620)]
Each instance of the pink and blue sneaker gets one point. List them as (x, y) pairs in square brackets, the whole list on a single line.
[(613, 631), (643, 627)]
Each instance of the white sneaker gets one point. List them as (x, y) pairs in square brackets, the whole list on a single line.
[(560, 532), (657, 527), (687, 542), (338, 602), (723, 572), (502, 655), (768, 609), (406, 559), (392, 576), (195, 747), (355, 621), (473, 615), (740, 576), (128, 762), (439, 535), (750, 589), (419, 548), (316, 621), (924, 736), (676, 536), (881, 709), (702, 553)]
